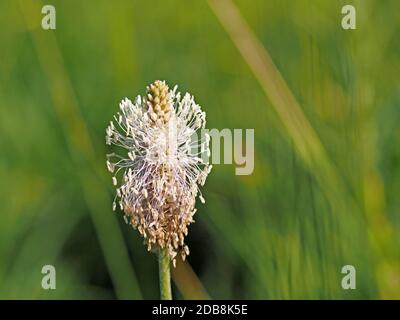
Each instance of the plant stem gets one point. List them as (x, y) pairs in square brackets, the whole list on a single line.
[(164, 274)]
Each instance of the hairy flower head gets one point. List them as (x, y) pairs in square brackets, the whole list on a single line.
[(160, 173)]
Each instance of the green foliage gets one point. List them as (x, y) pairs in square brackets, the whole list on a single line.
[(283, 232)]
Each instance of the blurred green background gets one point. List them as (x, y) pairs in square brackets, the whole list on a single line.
[(283, 232)]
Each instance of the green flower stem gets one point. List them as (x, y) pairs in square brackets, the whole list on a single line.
[(164, 274)]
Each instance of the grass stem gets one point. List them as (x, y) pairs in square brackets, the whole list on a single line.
[(164, 274)]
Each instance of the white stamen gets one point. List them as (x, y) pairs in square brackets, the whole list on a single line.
[(161, 176)]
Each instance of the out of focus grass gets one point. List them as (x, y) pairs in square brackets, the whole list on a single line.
[(283, 232)]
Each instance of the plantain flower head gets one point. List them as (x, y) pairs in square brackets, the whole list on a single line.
[(160, 171)]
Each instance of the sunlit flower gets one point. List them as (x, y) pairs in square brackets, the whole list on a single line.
[(160, 173)]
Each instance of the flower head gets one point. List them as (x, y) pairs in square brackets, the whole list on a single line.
[(160, 174)]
